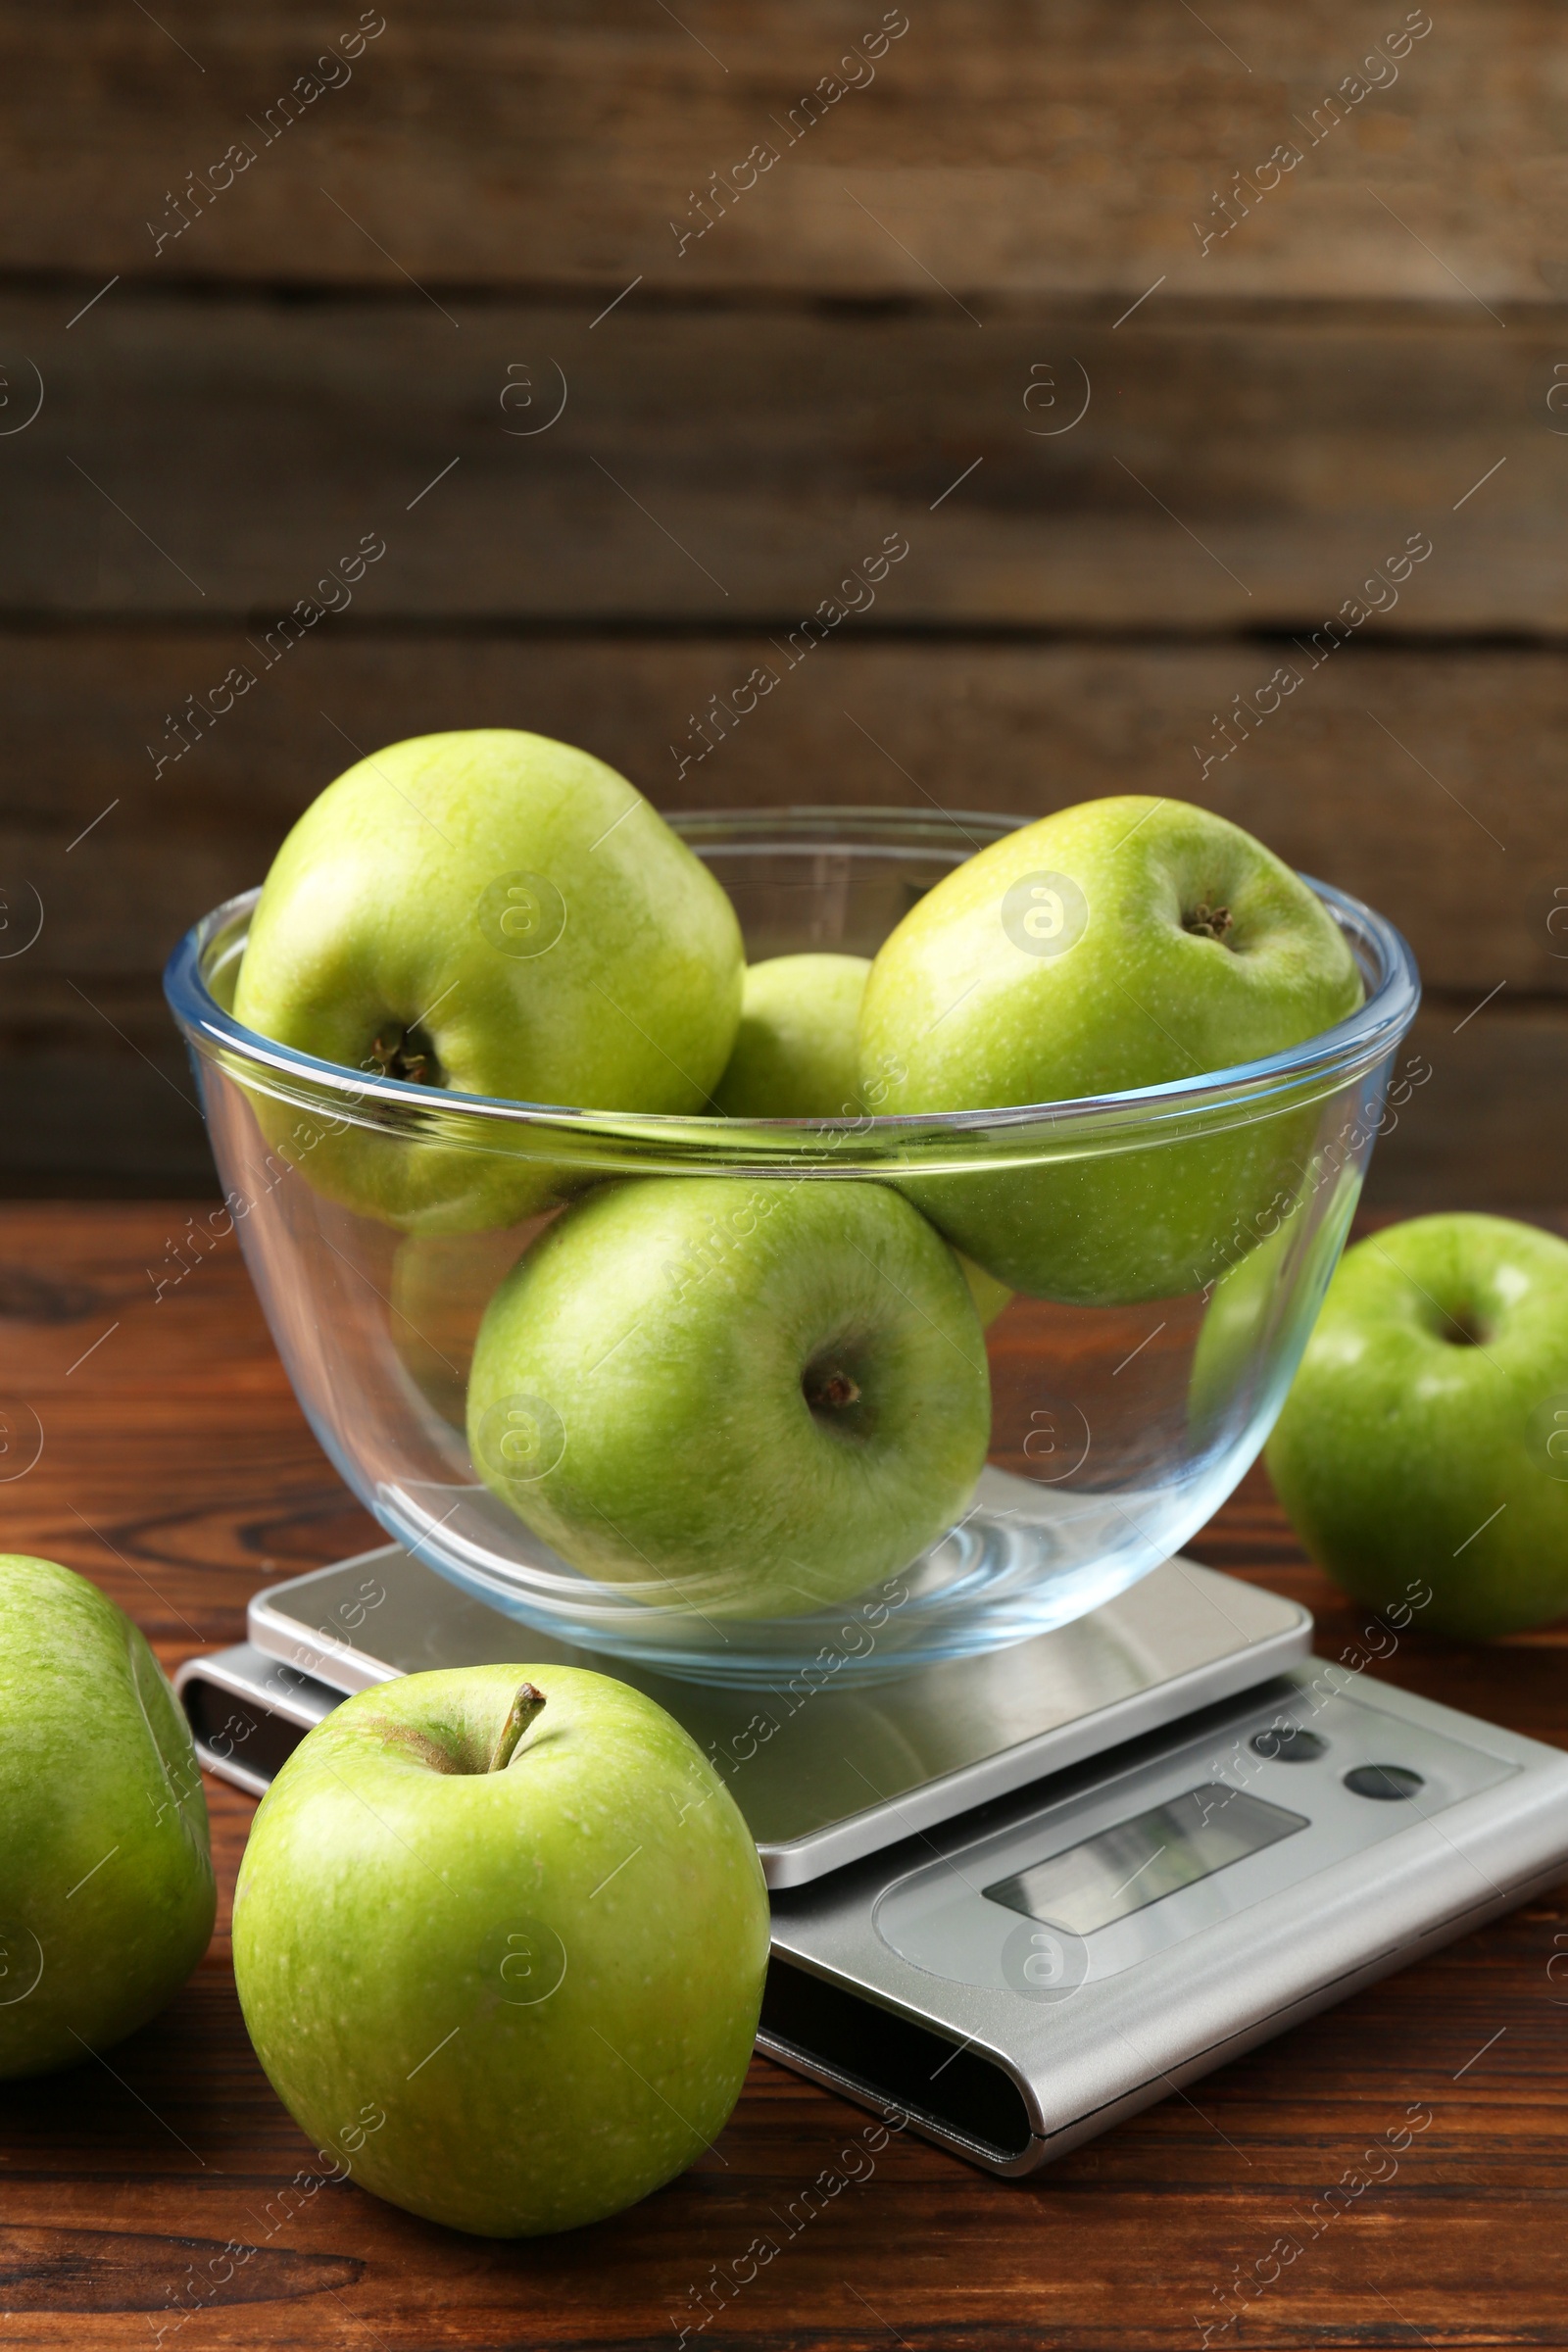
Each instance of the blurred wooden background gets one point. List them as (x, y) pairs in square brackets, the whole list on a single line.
[(978, 216)]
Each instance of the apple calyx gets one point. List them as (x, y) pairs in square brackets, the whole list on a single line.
[(405, 1053), (524, 1707), (1464, 1329), (829, 1391), (1209, 922)]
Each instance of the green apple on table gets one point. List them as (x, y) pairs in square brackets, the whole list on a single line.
[(500, 1936), (489, 912), (1425, 1438), (1115, 945), (751, 1400), (105, 1882)]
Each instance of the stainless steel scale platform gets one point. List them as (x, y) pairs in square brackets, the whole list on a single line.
[(1023, 1895)]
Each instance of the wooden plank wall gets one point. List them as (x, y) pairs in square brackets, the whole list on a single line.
[(624, 335)]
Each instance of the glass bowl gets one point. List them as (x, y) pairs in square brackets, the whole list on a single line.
[(1120, 1415)]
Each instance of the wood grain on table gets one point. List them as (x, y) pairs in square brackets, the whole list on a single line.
[(178, 1472)]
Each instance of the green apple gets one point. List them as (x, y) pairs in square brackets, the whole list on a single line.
[(1425, 1438), (751, 1400), (795, 1056), (105, 1882), (500, 1937), (1115, 945), (493, 913)]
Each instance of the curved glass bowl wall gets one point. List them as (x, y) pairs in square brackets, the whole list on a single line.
[(1119, 1425)]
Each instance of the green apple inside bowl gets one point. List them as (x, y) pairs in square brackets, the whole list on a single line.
[(1098, 1463), (795, 1055), (754, 1400), (1114, 947), (489, 913)]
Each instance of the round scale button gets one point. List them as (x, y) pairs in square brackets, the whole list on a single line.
[(1390, 1783), (1286, 1743)]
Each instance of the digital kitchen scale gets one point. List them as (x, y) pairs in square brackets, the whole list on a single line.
[(1021, 1896)]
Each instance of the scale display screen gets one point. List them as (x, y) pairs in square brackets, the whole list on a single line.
[(1136, 1863)]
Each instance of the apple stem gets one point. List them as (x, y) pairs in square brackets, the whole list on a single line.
[(521, 1712)]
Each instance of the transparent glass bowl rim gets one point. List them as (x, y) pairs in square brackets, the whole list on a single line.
[(1245, 1090)]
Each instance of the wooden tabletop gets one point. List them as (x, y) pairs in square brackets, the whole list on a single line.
[(176, 1471)]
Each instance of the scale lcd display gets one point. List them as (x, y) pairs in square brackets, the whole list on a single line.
[(1124, 1868)]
